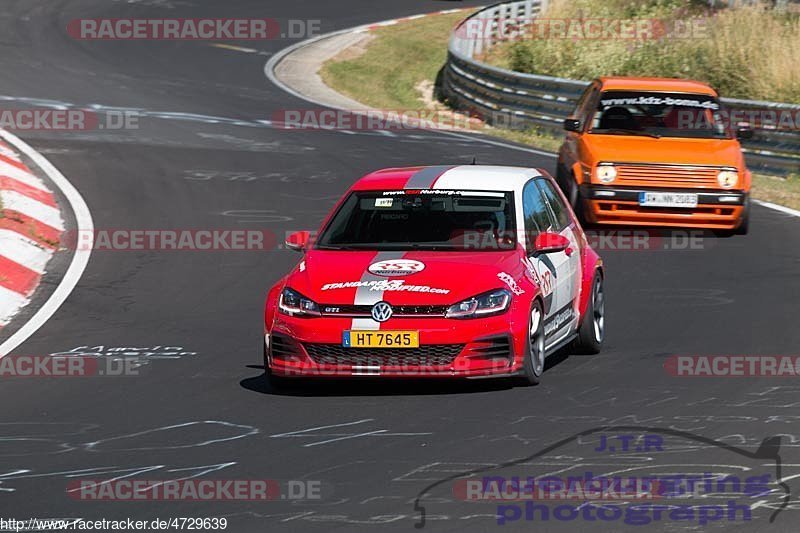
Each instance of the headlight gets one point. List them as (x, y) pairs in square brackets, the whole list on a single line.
[(606, 172), (727, 178), (489, 303), (293, 303)]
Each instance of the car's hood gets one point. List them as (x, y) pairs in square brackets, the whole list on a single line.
[(334, 277), (631, 149)]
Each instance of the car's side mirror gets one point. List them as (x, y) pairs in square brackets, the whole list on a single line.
[(572, 124), (744, 132), (548, 243), (298, 240)]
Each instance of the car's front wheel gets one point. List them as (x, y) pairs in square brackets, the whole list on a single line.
[(275, 382), (744, 224), (592, 330), (533, 362)]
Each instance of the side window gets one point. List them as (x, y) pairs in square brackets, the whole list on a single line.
[(557, 208), (582, 101), (583, 106), (535, 212), (591, 106)]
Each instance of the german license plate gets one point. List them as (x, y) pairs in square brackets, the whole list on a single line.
[(667, 199), (380, 339)]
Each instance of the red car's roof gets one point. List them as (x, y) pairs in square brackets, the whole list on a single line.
[(472, 177), (386, 180)]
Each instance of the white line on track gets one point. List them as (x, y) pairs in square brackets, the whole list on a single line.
[(776, 207), (346, 437), (80, 259), (322, 427)]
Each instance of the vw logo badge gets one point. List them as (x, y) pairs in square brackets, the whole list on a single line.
[(381, 312)]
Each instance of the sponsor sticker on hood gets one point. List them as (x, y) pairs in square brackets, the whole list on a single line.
[(396, 267), (385, 285)]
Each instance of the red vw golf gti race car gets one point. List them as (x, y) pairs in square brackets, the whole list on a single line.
[(465, 271)]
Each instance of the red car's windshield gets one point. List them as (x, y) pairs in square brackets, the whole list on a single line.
[(429, 220)]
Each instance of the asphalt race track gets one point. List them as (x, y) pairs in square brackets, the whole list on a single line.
[(373, 447)]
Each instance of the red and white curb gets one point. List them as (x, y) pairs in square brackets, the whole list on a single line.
[(29, 235), (29, 232)]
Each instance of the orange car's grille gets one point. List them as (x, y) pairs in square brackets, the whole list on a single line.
[(668, 176)]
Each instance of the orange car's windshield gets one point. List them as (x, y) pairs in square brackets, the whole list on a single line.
[(657, 114)]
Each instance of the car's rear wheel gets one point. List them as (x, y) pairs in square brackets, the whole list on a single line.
[(533, 362), (593, 325)]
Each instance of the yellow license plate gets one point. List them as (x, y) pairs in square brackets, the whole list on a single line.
[(380, 339)]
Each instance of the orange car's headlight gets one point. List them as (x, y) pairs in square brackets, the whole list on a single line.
[(727, 178), (606, 172)]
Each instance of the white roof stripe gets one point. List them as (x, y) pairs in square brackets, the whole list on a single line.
[(485, 178)]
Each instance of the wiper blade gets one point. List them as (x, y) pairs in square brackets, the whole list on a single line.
[(623, 131), (337, 247), (387, 245)]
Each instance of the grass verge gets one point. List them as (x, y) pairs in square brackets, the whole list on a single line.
[(781, 191), (747, 52), (396, 69)]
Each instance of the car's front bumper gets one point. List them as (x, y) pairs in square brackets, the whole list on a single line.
[(312, 347), (716, 209)]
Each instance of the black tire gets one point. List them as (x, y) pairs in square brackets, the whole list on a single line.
[(562, 178), (274, 382), (533, 362), (572, 191), (744, 225), (592, 329), (576, 201)]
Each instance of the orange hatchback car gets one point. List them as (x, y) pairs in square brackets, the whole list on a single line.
[(654, 152)]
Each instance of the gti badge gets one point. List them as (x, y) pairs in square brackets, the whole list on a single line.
[(381, 312)]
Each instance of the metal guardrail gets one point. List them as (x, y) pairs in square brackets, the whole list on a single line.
[(516, 100)]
